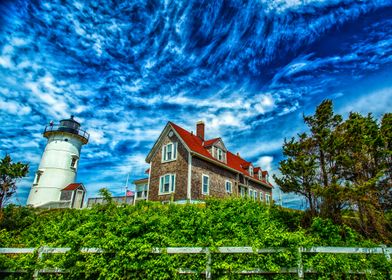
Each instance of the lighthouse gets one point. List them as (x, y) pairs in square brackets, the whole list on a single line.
[(54, 182)]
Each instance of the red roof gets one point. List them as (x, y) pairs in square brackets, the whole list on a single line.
[(235, 162), (72, 187), (208, 143)]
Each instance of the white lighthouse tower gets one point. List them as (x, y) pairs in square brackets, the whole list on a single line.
[(59, 162)]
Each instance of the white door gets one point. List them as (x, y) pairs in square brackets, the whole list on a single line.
[(78, 199)]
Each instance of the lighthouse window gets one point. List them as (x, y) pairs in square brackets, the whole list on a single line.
[(37, 177), (169, 152), (74, 161)]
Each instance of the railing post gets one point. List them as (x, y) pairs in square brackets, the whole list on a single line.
[(39, 257), (208, 265), (387, 256), (300, 268)]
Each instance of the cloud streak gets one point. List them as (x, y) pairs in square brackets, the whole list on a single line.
[(125, 68)]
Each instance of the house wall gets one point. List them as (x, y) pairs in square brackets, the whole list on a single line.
[(217, 175), (259, 187), (178, 167)]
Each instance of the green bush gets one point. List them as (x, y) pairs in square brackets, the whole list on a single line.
[(128, 234)]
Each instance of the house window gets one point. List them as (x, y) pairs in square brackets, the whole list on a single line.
[(228, 185), (267, 198), (167, 183), (169, 152), (259, 175), (74, 161), (261, 196), (250, 193), (251, 170), (205, 184), (220, 154), (242, 191), (255, 195)]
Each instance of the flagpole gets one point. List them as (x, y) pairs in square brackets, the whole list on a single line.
[(126, 185)]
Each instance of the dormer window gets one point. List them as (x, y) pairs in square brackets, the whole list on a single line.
[(259, 175), (220, 154), (251, 170), (169, 152)]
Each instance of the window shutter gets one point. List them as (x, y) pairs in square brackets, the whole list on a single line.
[(173, 182), (161, 184), (174, 150), (164, 152)]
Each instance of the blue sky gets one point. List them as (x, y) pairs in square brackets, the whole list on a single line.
[(249, 69)]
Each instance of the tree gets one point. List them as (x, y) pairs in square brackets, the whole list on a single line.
[(9, 175), (362, 169), (299, 170)]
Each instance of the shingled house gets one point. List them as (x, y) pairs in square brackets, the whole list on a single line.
[(186, 167)]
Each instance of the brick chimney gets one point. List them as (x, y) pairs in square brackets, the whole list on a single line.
[(200, 129)]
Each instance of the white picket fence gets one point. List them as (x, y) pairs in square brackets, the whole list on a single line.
[(299, 270)]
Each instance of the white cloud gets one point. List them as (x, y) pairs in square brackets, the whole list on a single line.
[(265, 162), (378, 103), (14, 108)]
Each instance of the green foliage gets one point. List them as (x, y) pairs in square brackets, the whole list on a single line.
[(128, 234), (340, 166), (9, 174)]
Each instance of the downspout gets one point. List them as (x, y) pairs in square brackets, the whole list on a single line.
[(148, 183), (189, 185)]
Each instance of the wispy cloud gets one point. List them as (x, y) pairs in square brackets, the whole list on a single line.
[(124, 69)]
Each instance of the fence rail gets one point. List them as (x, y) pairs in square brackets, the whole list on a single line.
[(299, 270)]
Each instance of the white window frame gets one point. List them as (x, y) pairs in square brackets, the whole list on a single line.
[(255, 195), (38, 176), (260, 175), (172, 183), (202, 184), (227, 182), (242, 191), (251, 170), (219, 154), (267, 198), (173, 152), (250, 193), (262, 196), (74, 162)]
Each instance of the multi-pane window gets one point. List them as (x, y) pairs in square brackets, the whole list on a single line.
[(261, 196), (255, 195), (267, 198), (259, 175), (251, 170), (205, 184), (169, 152), (242, 191), (167, 183), (228, 185), (250, 193), (220, 154)]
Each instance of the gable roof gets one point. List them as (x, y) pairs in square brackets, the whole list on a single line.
[(210, 142), (195, 144), (73, 186)]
